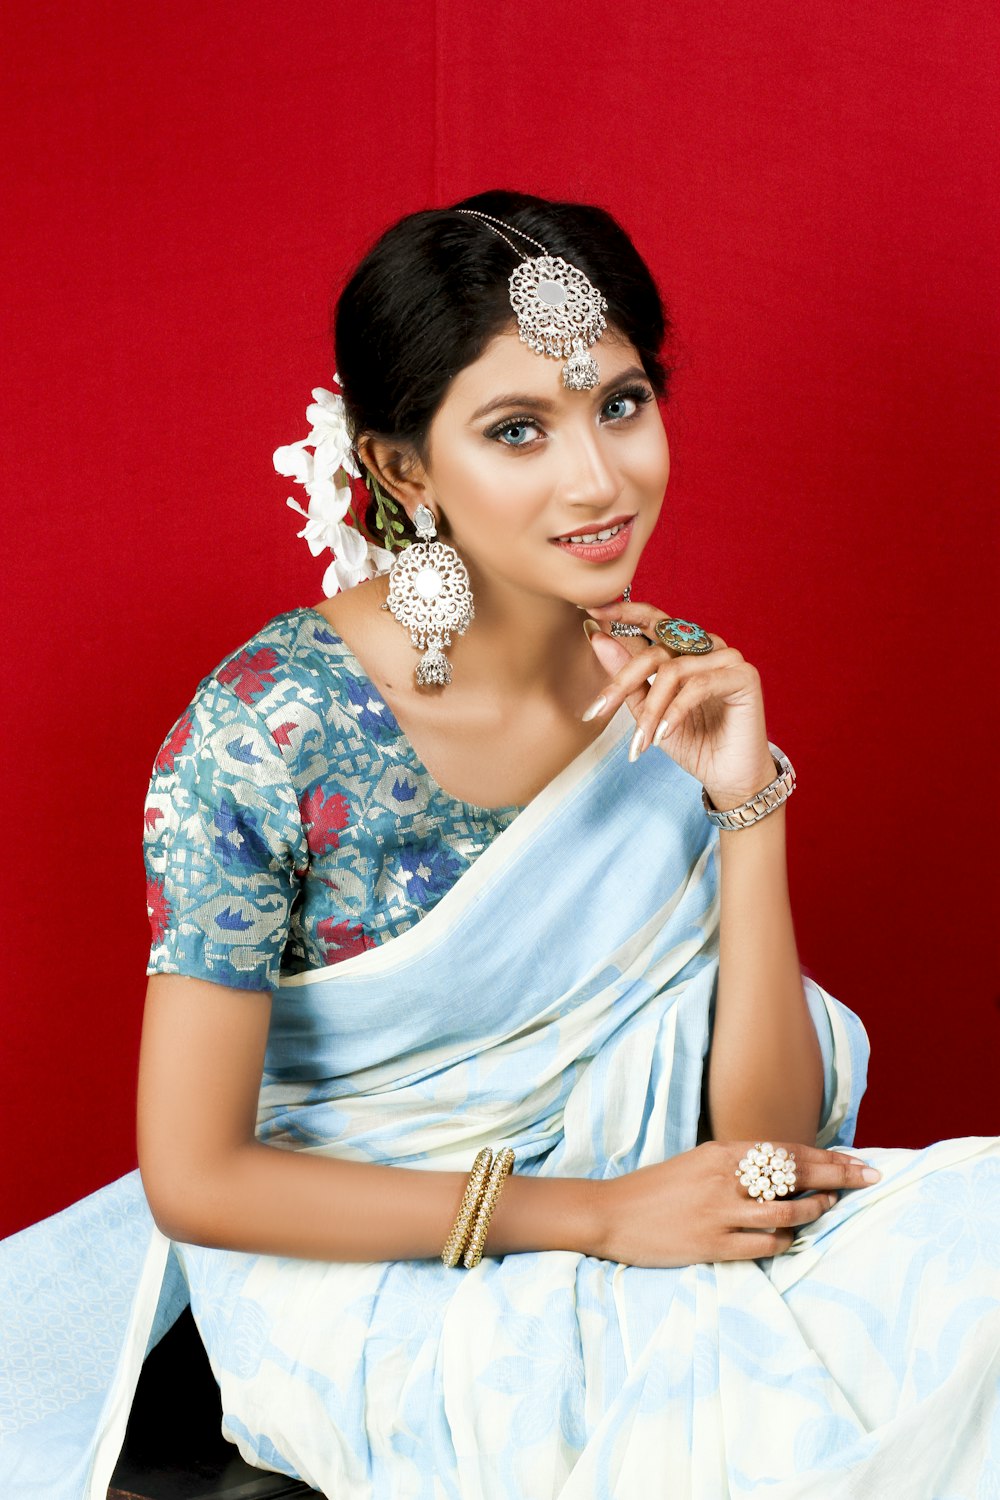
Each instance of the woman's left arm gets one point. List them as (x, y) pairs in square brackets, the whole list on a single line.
[(765, 1068)]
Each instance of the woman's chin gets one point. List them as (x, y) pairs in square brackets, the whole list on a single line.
[(607, 589)]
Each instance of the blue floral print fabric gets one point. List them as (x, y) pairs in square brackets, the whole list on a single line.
[(289, 824)]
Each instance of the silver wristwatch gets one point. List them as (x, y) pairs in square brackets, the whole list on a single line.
[(772, 796)]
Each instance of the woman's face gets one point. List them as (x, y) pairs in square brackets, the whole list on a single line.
[(517, 464)]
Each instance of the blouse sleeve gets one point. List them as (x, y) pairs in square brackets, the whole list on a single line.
[(223, 844)]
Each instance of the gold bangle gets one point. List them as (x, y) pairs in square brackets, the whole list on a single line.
[(501, 1166), (470, 1202)]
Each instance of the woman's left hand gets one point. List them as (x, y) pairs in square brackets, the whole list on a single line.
[(706, 711)]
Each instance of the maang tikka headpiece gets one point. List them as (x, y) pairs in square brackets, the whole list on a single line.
[(559, 310)]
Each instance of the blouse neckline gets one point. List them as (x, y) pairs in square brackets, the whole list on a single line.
[(416, 764)]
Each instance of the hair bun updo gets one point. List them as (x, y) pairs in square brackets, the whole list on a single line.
[(432, 292)]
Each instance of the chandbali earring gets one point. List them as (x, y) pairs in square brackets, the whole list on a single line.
[(429, 595), (619, 627)]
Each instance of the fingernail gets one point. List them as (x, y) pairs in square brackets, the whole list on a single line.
[(871, 1174), (638, 742), (595, 708), (661, 729), (591, 627)]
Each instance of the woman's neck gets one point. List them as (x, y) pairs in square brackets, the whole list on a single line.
[(525, 644), (510, 721)]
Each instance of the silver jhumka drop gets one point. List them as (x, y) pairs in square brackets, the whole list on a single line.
[(559, 310), (429, 594)]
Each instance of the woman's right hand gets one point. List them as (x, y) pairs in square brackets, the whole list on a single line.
[(694, 1209)]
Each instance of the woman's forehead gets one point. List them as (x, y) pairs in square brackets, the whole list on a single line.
[(507, 368)]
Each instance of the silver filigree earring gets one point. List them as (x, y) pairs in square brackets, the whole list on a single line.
[(429, 595), (559, 310)]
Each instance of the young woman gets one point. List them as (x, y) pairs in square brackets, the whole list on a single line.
[(528, 899)]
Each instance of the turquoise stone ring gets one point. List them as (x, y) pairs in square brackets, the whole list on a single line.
[(682, 636)]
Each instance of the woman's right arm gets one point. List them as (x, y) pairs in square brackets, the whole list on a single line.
[(209, 1181)]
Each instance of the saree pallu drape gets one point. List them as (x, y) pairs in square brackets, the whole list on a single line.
[(560, 999)]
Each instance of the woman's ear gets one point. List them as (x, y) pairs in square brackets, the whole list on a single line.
[(396, 471)]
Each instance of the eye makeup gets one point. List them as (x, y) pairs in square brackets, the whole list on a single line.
[(633, 390)]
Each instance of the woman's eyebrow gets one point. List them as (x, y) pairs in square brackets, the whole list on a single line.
[(537, 403), (542, 403)]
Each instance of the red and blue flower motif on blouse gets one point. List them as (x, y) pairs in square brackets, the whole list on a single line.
[(289, 823)]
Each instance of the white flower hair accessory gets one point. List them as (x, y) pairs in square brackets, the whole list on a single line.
[(326, 474)]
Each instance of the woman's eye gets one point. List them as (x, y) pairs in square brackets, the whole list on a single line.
[(517, 430), (632, 397), (620, 402)]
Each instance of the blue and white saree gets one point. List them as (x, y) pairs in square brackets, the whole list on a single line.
[(558, 999)]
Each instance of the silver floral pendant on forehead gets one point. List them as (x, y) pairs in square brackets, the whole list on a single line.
[(559, 310)]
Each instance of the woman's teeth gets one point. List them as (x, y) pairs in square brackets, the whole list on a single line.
[(595, 536)]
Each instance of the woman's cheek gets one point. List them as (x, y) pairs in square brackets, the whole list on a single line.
[(656, 464)]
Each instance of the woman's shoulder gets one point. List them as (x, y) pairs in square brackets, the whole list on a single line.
[(294, 681), (295, 658)]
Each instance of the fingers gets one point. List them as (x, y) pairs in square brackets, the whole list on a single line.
[(816, 1169), (784, 1213), (752, 1246), (766, 1229), (637, 613), (839, 1175), (720, 673), (625, 686), (689, 685)]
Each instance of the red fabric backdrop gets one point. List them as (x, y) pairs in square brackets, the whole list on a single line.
[(815, 188)]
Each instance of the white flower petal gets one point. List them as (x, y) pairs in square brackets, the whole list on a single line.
[(328, 418), (348, 576), (319, 535), (293, 461), (353, 549), (331, 583), (327, 503), (344, 495), (331, 455), (330, 412)]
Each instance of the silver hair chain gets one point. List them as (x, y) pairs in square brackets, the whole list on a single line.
[(513, 227)]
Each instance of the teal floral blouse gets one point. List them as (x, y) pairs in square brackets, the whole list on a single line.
[(289, 823)]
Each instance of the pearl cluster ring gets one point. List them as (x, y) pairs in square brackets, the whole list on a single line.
[(767, 1173)]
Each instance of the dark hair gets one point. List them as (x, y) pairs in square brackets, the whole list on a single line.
[(433, 291)]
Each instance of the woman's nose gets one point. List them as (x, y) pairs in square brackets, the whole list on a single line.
[(590, 477)]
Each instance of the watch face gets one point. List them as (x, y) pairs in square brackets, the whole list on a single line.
[(683, 636)]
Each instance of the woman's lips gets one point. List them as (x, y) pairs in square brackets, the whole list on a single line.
[(598, 552)]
